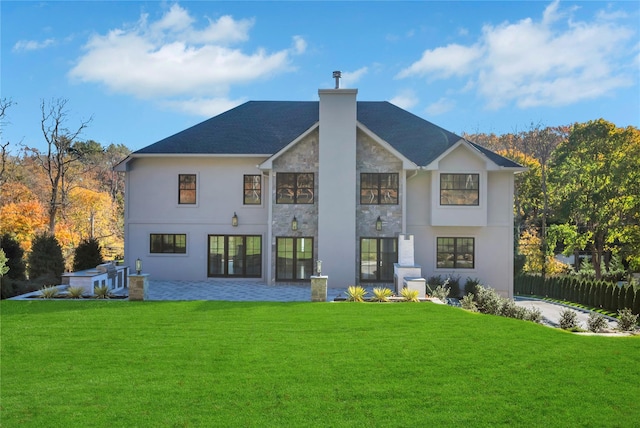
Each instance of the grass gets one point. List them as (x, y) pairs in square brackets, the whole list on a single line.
[(187, 364)]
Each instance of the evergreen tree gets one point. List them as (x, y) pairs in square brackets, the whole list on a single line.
[(46, 261), (87, 255), (15, 257)]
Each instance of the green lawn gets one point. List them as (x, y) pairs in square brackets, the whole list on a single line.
[(125, 364)]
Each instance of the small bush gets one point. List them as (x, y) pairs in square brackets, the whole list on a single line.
[(441, 292), (75, 292), (434, 281), (356, 293), (15, 257), (468, 303), (533, 315), (627, 321), (454, 286), (568, 319), (381, 294), (48, 292), (102, 292), (488, 300), (409, 295), (470, 285), (596, 322)]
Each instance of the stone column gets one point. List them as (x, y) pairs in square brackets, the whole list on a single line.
[(138, 286), (319, 288)]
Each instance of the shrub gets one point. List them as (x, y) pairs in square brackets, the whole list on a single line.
[(15, 257), (356, 293), (87, 255), (381, 294), (46, 258), (102, 292), (48, 292), (596, 322), (75, 292), (533, 315), (488, 301), (454, 286), (440, 292), (568, 319), (627, 321), (409, 295), (468, 303), (434, 281)]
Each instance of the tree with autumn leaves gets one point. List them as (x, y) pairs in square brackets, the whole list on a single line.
[(68, 190)]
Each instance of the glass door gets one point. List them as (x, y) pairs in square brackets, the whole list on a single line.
[(377, 257)]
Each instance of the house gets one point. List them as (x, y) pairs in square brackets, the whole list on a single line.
[(266, 189)]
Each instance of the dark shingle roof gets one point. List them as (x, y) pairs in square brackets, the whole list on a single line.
[(265, 127)]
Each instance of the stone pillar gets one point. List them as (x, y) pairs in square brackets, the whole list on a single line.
[(419, 284), (319, 288), (138, 286)]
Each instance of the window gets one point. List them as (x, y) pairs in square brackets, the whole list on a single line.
[(456, 253), (459, 189), (377, 256), (379, 188), (186, 188), (294, 259), (162, 243), (235, 256), (252, 189), (294, 188)]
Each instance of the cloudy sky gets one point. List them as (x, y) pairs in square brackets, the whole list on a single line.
[(146, 70)]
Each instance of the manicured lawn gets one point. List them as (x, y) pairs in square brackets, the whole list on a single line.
[(124, 364)]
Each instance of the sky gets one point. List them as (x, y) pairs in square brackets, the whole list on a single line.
[(142, 71)]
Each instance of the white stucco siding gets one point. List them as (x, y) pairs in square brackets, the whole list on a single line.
[(500, 198), (152, 207), (460, 161)]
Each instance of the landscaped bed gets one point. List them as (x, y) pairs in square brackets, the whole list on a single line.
[(207, 363)]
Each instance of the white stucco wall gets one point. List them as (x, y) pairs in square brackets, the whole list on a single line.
[(152, 207)]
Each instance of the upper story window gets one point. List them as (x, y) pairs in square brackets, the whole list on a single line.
[(459, 189), (379, 188), (252, 189), (294, 188), (168, 243), (456, 253), (186, 188)]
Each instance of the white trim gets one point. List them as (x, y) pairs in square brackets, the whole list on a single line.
[(406, 163), (268, 163)]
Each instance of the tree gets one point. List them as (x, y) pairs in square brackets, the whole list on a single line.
[(4, 105), (45, 260), (87, 255), (596, 179), (15, 256), (60, 155)]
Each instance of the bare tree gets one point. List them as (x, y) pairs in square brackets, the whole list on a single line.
[(59, 156), (4, 105)]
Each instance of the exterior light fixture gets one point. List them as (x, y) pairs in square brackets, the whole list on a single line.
[(319, 267), (294, 223), (234, 220), (138, 266), (378, 224)]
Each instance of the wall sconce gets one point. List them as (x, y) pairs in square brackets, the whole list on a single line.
[(378, 223), (138, 266), (234, 220), (294, 223)]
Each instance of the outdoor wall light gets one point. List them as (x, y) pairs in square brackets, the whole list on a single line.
[(378, 223), (138, 266), (294, 223), (234, 220)]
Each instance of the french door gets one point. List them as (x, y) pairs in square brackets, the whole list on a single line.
[(235, 256), (294, 259), (377, 256)]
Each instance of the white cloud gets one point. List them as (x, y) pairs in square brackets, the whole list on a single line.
[(175, 61), (32, 45), (552, 61), (350, 78), (405, 99), (441, 106)]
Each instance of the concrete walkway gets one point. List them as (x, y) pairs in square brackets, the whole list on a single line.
[(551, 312)]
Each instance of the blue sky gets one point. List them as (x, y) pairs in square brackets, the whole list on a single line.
[(146, 70)]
